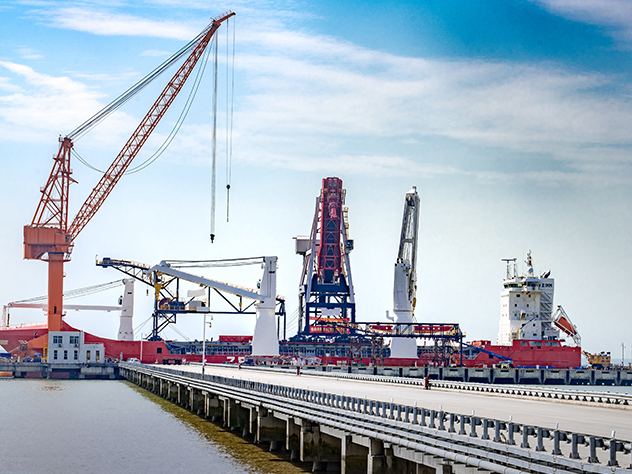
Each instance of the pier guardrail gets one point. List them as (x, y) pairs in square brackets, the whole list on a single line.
[(480, 442), (549, 393)]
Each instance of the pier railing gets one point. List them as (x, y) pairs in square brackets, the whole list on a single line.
[(480, 442), (548, 393)]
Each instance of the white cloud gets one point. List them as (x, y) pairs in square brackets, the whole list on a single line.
[(314, 102), (28, 53), (615, 14), (116, 24), (43, 104), (320, 95)]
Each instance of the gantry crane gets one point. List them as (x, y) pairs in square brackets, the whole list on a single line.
[(405, 280), (49, 237)]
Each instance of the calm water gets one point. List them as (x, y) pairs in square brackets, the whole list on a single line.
[(84, 426)]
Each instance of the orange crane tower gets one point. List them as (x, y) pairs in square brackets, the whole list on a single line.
[(49, 238)]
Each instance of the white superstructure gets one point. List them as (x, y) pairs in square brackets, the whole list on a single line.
[(526, 304)]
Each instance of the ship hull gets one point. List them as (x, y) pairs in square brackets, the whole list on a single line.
[(23, 342)]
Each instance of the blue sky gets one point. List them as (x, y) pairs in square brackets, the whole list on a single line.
[(511, 117)]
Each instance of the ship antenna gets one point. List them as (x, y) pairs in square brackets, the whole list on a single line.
[(529, 263), (508, 261)]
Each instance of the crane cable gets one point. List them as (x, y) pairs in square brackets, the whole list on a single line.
[(214, 145), (230, 97), (174, 130), (231, 262), (77, 293), (89, 124)]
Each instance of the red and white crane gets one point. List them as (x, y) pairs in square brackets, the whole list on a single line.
[(49, 237)]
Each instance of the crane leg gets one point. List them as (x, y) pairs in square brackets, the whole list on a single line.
[(55, 290)]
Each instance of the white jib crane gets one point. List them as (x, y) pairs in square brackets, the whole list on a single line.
[(126, 330), (405, 281), (264, 341)]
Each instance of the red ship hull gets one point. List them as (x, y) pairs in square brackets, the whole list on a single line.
[(522, 353)]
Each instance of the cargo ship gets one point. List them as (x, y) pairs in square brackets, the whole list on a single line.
[(530, 331)]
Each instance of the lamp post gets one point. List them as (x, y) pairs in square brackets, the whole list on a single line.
[(204, 345), (208, 307)]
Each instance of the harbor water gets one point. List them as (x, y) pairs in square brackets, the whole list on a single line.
[(93, 426)]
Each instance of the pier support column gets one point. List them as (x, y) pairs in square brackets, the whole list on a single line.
[(376, 461), (213, 409), (293, 438), (352, 456), (319, 448), (270, 429), (196, 401), (252, 421)]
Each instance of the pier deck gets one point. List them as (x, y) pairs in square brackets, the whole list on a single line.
[(380, 427)]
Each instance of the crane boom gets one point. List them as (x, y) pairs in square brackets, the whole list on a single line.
[(49, 237), (113, 174), (405, 278)]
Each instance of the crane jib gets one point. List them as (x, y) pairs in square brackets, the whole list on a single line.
[(49, 236)]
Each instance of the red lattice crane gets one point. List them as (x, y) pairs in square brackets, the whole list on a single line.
[(49, 237), (332, 198)]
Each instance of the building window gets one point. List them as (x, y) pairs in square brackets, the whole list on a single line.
[(74, 339), (65, 355), (76, 354), (97, 358), (55, 354), (159, 350), (87, 356), (58, 340)]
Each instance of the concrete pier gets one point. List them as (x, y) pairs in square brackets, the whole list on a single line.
[(353, 434), (51, 370)]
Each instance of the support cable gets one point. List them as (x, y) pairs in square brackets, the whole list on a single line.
[(214, 146), (89, 124), (141, 326), (235, 262), (174, 130), (77, 293), (229, 122)]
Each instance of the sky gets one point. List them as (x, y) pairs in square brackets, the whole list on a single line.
[(512, 119)]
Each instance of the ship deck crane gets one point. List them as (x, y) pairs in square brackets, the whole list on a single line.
[(49, 237), (405, 279), (265, 341), (563, 322)]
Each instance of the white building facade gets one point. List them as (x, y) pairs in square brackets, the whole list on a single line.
[(69, 347)]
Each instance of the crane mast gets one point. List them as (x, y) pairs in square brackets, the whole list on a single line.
[(49, 237), (405, 279)]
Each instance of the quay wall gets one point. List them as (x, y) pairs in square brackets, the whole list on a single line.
[(46, 370)]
